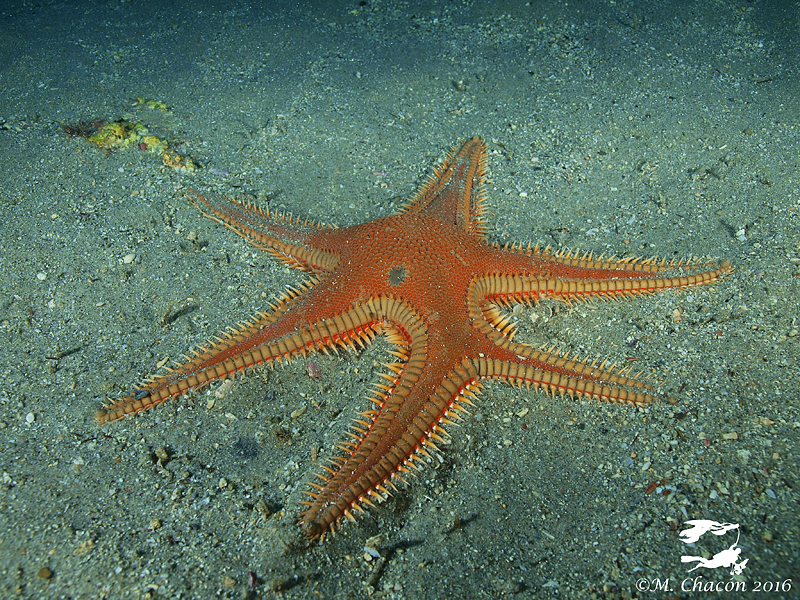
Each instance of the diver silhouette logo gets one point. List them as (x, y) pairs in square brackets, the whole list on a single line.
[(726, 558)]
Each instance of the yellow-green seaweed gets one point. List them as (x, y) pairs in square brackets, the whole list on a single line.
[(152, 104)]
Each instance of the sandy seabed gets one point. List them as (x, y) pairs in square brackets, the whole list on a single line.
[(667, 129)]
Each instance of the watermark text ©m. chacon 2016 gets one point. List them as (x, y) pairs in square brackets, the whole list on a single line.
[(729, 557)]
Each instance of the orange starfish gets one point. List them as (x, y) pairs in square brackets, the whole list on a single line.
[(427, 279)]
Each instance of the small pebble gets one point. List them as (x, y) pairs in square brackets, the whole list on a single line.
[(30, 417), (41, 276), (278, 584), (128, 258), (44, 573), (313, 370), (223, 389), (299, 412)]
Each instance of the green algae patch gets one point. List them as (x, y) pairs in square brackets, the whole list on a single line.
[(151, 104)]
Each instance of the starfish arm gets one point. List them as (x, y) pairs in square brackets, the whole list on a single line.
[(555, 373), (267, 338), (294, 242), (534, 274), (454, 192), (571, 264), (413, 408)]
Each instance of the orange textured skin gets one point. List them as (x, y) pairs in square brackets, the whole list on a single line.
[(428, 280)]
